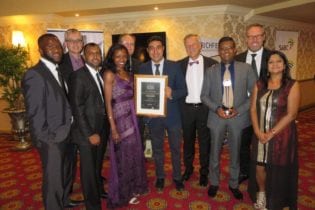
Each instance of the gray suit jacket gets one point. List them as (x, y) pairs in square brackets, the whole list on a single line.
[(47, 106), (211, 94)]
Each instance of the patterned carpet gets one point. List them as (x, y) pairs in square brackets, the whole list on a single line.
[(20, 180)]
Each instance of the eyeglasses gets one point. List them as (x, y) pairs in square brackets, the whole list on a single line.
[(259, 36), (74, 41)]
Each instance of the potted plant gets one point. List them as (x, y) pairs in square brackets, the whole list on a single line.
[(13, 63)]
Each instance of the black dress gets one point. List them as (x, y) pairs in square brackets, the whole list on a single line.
[(279, 155)]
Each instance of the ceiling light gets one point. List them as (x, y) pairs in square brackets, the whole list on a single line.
[(156, 8), (77, 14)]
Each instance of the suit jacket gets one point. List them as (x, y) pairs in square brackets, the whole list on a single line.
[(47, 106), (211, 95), (263, 67), (135, 65), (66, 67), (207, 62), (87, 106), (176, 82)]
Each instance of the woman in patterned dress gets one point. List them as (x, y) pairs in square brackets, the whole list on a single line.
[(274, 164), (128, 177)]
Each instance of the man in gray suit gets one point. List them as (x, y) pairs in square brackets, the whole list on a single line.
[(49, 115), (225, 92)]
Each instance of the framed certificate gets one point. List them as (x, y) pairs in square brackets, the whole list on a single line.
[(150, 94)]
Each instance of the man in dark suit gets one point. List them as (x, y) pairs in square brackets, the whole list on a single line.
[(129, 41), (72, 61), (225, 92), (49, 116), (255, 55), (194, 113), (90, 127), (175, 90)]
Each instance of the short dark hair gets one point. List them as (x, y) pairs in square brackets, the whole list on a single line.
[(227, 39), (109, 61), (88, 45), (155, 38), (44, 37)]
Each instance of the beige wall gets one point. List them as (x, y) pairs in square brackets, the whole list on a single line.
[(177, 23)]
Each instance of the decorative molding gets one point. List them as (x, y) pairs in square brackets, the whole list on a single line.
[(206, 10), (30, 19), (277, 21)]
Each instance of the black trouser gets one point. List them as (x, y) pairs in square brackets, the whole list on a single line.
[(194, 119), (247, 134), (70, 168)]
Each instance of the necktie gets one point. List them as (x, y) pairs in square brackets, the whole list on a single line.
[(227, 88), (254, 64), (98, 76), (157, 71), (61, 80), (191, 63)]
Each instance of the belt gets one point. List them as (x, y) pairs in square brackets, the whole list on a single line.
[(194, 105)]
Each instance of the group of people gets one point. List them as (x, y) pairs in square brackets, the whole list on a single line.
[(79, 103)]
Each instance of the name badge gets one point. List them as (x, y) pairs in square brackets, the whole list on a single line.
[(227, 83)]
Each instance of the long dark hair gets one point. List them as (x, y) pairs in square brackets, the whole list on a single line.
[(109, 62), (286, 72)]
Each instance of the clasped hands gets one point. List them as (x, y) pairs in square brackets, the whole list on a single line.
[(264, 137), (223, 114)]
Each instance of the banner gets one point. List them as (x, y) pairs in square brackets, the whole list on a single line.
[(210, 47), (287, 42)]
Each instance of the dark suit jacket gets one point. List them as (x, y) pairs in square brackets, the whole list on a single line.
[(87, 106), (263, 67), (176, 82), (47, 107), (207, 62), (135, 65), (66, 67)]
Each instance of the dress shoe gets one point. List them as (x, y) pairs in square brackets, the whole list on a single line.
[(242, 178), (236, 193), (179, 185), (159, 184), (203, 180), (212, 191), (73, 203), (186, 175), (104, 195)]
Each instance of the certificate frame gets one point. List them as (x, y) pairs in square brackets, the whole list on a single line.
[(150, 97)]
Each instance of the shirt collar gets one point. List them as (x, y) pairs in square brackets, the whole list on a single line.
[(49, 64), (258, 52)]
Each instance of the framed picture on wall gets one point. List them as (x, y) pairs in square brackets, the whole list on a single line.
[(141, 44)]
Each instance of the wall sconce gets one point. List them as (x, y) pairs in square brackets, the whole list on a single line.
[(18, 39)]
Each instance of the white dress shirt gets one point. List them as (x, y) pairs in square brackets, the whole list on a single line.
[(258, 59), (194, 80)]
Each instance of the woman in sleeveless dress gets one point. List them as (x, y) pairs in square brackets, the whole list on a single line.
[(127, 179), (274, 161)]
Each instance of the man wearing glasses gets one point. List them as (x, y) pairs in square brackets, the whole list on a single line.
[(256, 56)]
